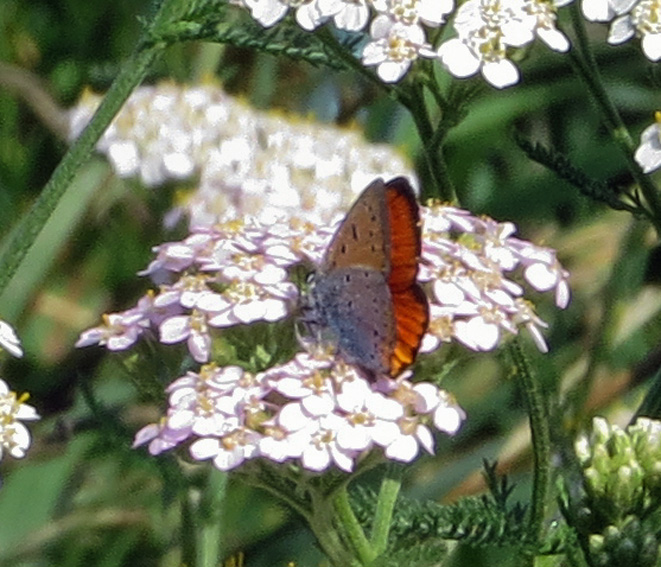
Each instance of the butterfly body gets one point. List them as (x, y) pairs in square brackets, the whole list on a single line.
[(365, 298)]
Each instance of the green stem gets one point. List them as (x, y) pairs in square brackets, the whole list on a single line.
[(383, 515), (413, 99), (331, 42), (188, 529), (321, 523), (27, 231), (352, 529), (586, 66), (541, 441), (209, 534)]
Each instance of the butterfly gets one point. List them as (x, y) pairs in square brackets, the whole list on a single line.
[(365, 297)]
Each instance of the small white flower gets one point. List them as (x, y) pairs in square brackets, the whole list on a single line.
[(229, 451), (394, 47), (119, 331), (350, 15), (9, 340), (269, 12), (648, 154), (486, 28), (605, 10), (14, 436), (193, 328), (545, 14), (644, 21)]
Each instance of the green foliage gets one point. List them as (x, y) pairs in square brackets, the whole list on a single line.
[(562, 166), (487, 520)]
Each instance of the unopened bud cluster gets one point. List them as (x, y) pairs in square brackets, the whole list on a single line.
[(622, 481)]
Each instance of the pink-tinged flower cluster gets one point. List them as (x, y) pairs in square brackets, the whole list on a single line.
[(314, 409), (237, 273), (9, 340), (227, 275), (14, 435), (468, 262)]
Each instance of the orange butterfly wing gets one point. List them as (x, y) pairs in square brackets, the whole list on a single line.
[(410, 305)]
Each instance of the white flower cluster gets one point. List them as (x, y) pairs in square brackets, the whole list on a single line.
[(248, 162), (486, 30), (14, 436), (629, 18), (313, 409), (466, 260)]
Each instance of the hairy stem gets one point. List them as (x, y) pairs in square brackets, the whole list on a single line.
[(541, 440), (351, 528), (383, 515)]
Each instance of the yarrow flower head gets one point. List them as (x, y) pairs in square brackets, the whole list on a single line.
[(266, 165), (317, 409), (488, 29), (468, 262), (14, 435), (312, 409), (9, 340), (239, 272)]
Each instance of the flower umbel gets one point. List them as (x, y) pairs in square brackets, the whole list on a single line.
[(473, 299), (249, 162), (313, 409)]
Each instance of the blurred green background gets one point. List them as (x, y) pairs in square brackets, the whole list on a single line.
[(83, 496)]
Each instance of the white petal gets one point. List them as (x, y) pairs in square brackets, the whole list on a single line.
[(404, 449), (316, 458), (448, 419), (501, 74), (651, 44), (175, 329), (597, 10), (621, 30), (204, 448), (392, 71), (555, 39), (458, 58)]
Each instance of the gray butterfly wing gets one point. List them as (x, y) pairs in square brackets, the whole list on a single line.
[(355, 306)]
